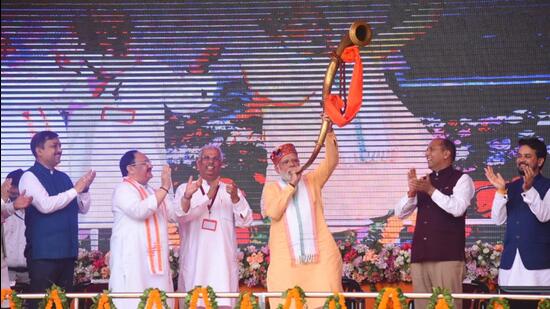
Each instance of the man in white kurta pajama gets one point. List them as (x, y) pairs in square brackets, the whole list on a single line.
[(208, 253), (139, 241)]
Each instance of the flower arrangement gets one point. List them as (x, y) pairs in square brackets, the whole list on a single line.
[(365, 261), (253, 262), (482, 262), (91, 265), (94, 265), (372, 264)]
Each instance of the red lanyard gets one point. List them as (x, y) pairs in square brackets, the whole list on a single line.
[(213, 198)]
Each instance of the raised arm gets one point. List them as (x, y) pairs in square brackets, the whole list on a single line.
[(322, 173)]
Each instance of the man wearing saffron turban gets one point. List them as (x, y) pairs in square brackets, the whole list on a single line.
[(303, 251)]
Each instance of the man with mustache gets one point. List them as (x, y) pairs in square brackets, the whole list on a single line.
[(441, 198), (302, 249), (52, 219), (524, 204), (208, 253), (139, 240)]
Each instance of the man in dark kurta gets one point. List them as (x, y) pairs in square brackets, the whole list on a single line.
[(441, 198)]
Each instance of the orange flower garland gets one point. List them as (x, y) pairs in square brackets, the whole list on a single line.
[(103, 301), (295, 293), (54, 296), (247, 301), (336, 301), (208, 296), (441, 303), (392, 297), (13, 300), (498, 303), (153, 297)]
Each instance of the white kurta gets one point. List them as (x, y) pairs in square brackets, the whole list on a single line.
[(209, 257), (14, 237), (7, 210), (130, 271), (519, 275)]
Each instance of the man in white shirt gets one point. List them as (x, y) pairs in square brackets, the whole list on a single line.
[(208, 254), (9, 207), (139, 240), (14, 235)]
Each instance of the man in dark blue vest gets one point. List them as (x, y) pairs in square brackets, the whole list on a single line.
[(524, 204), (442, 197), (52, 219)]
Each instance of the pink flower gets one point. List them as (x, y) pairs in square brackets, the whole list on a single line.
[(255, 258)]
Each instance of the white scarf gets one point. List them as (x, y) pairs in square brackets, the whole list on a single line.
[(300, 224)]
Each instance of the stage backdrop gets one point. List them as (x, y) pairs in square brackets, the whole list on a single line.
[(167, 77)]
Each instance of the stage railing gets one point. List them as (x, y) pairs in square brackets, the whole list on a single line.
[(262, 296)]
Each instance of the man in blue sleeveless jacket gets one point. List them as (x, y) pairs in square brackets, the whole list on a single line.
[(52, 219), (525, 205)]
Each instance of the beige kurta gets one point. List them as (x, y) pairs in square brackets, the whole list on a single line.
[(326, 274)]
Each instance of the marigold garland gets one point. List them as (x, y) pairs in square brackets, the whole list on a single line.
[(544, 304), (295, 293), (153, 297), (103, 301), (498, 303), (14, 301), (441, 303), (208, 296), (397, 301), (335, 301), (247, 300), (54, 296)]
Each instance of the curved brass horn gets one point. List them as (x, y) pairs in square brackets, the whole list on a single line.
[(359, 34)]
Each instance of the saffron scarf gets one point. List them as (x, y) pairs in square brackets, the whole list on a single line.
[(152, 231)]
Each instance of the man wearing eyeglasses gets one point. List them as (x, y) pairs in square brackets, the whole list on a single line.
[(139, 239), (212, 209)]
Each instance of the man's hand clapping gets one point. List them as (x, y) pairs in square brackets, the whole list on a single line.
[(233, 190), (166, 177), (83, 184), (22, 201)]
